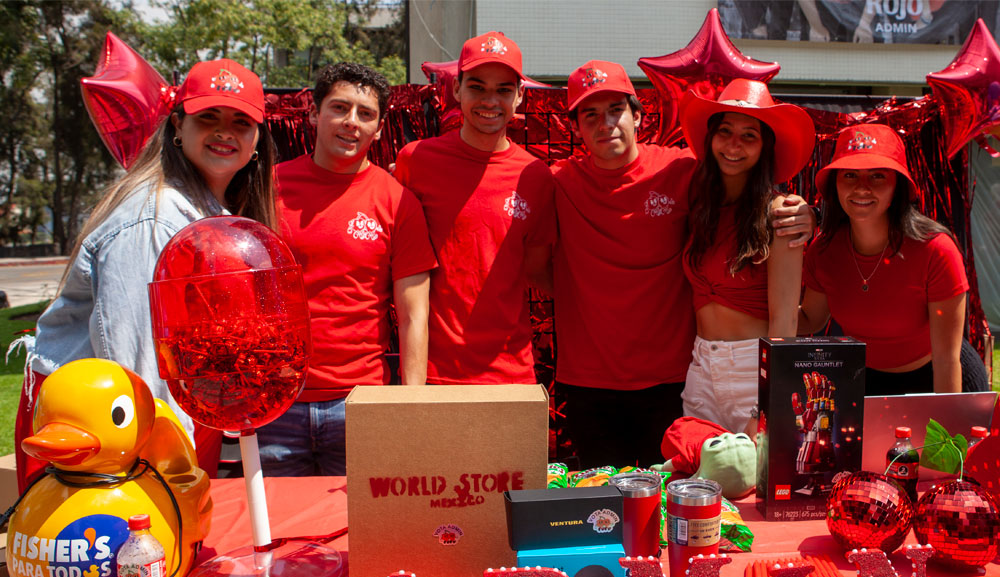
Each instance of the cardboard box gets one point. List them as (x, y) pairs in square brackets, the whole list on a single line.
[(427, 468), (572, 517), (592, 561), (807, 433)]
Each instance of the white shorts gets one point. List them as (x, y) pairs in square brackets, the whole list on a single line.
[(721, 383)]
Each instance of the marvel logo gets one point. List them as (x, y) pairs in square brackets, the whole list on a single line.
[(782, 492)]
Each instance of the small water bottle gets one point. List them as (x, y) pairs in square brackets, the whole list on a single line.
[(141, 555)]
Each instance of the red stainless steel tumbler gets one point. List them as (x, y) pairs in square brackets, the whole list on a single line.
[(694, 514), (641, 509)]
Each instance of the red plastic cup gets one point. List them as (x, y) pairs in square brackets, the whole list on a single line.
[(641, 509), (694, 517)]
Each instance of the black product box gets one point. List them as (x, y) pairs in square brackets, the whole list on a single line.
[(571, 517), (811, 395)]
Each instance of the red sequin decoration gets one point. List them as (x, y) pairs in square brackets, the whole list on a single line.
[(642, 566), (961, 521), (867, 510), (710, 566), (872, 563), (790, 570), (918, 555)]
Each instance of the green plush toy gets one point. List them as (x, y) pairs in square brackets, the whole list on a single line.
[(707, 451)]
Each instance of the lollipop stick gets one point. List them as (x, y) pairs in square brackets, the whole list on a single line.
[(257, 500)]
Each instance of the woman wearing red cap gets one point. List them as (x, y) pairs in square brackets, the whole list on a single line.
[(745, 280), (890, 276), (213, 155)]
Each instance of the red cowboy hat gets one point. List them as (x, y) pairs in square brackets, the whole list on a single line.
[(864, 147), (794, 133)]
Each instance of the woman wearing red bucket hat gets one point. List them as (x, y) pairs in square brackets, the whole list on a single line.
[(212, 155), (745, 280), (889, 275)]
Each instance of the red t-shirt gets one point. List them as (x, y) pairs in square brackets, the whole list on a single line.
[(483, 210), (891, 318), (623, 311), (711, 281), (354, 235)]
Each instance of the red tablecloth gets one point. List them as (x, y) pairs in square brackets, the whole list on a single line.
[(316, 506)]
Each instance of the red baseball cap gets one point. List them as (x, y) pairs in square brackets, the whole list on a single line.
[(864, 147), (594, 77), (222, 83), (490, 47)]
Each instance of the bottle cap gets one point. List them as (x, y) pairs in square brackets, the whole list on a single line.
[(902, 432), (980, 432), (138, 522)]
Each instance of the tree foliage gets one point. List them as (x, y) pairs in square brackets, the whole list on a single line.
[(52, 162)]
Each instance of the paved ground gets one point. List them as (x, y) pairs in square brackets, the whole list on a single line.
[(27, 280)]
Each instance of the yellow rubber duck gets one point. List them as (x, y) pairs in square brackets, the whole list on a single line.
[(98, 424)]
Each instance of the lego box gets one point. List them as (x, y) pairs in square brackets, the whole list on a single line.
[(811, 394), (427, 468)]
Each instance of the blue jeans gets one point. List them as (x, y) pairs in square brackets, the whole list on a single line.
[(307, 440)]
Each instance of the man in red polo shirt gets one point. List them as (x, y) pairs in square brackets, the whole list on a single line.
[(362, 242), (489, 211), (624, 318)]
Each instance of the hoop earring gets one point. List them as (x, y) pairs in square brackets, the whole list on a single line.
[(177, 141), (253, 157)]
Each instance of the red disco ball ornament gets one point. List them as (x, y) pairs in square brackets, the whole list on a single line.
[(230, 322), (867, 510), (961, 521)]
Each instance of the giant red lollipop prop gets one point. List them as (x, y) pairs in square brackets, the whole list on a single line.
[(231, 327), (706, 65)]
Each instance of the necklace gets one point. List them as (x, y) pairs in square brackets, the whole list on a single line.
[(864, 280)]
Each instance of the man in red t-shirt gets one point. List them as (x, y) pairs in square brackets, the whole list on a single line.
[(362, 241), (624, 318), (489, 212)]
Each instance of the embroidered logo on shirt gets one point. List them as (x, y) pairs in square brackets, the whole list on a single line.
[(659, 204), (516, 206), (362, 227), (226, 81)]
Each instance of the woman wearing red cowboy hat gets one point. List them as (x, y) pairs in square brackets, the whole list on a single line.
[(745, 282), (212, 155), (889, 275)]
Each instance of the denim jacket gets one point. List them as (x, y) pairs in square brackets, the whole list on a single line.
[(103, 309)]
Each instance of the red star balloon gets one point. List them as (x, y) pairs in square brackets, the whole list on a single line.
[(706, 65), (443, 75), (126, 98), (968, 89)]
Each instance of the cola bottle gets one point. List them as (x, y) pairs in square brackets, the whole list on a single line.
[(903, 462), (976, 435), (141, 555)]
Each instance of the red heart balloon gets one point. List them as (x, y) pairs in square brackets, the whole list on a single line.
[(707, 64), (126, 98)]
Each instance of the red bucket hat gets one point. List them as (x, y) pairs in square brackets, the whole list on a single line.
[(864, 147), (490, 47), (594, 77), (222, 83), (794, 132)]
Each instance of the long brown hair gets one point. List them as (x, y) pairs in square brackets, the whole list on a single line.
[(753, 228), (251, 192)]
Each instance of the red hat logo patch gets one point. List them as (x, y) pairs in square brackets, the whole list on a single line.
[(594, 76), (226, 81), (861, 141), (493, 46)]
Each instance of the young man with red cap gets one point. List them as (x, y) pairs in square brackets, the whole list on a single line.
[(489, 211), (362, 241), (624, 315)]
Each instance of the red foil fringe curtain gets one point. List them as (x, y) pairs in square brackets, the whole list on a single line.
[(543, 128)]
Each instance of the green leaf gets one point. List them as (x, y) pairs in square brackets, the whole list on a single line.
[(941, 451)]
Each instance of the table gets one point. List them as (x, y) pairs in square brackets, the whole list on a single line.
[(316, 506)]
